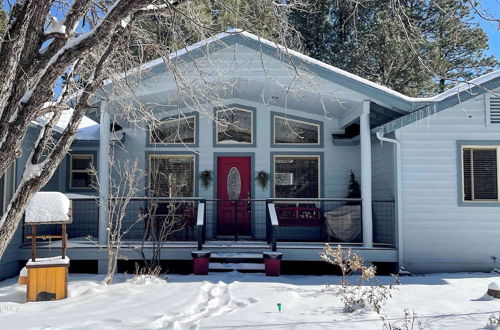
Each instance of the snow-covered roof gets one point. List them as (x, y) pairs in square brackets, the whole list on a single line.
[(48, 207), (87, 130), (307, 59)]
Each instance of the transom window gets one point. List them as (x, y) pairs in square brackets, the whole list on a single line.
[(234, 126), (80, 171), (175, 131), (480, 173), (296, 177), (292, 131), (171, 175)]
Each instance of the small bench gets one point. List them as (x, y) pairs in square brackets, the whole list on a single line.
[(299, 216)]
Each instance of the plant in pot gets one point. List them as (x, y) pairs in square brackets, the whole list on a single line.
[(206, 178), (262, 179), (354, 189)]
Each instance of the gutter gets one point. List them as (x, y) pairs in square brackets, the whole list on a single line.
[(399, 201)]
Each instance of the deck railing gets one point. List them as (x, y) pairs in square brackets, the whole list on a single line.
[(337, 220), (334, 220), (145, 219), (201, 224)]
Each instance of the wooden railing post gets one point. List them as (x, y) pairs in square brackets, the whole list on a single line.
[(268, 223), (200, 224)]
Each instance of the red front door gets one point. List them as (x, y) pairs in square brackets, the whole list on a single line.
[(234, 208)]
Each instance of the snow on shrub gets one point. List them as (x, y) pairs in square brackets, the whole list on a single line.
[(356, 292)]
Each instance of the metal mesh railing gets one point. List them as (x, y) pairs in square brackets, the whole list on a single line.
[(319, 220), (384, 222), (85, 221), (242, 219), (144, 219), (300, 220), (160, 220)]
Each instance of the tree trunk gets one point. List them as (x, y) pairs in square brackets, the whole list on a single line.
[(112, 265)]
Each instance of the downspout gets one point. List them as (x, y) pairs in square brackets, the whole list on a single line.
[(399, 201)]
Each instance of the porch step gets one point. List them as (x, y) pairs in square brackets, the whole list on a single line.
[(236, 266), (236, 255), (240, 261)]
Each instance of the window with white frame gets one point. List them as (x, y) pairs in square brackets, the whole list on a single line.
[(175, 131), (172, 175), (234, 126), (480, 173), (80, 171), (296, 177), (293, 131)]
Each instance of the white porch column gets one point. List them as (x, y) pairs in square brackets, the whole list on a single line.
[(366, 174), (103, 172)]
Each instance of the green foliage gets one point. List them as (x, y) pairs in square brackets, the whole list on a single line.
[(417, 47), (213, 16), (354, 189), (3, 19)]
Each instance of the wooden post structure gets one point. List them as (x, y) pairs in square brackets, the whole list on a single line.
[(47, 278), (64, 240), (33, 242)]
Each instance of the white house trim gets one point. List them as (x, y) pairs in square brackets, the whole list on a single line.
[(366, 175), (103, 173)]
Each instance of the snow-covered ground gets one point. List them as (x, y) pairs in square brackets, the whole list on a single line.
[(245, 301)]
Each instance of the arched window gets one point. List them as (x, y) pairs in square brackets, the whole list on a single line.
[(178, 130), (234, 126), (290, 131)]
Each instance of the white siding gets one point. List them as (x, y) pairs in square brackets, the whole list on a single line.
[(338, 161), (438, 233)]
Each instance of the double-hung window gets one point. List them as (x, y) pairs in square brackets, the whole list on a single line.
[(80, 171), (172, 175), (480, 169), (296, 177)]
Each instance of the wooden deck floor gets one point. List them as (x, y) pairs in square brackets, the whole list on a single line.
[(82, 249)]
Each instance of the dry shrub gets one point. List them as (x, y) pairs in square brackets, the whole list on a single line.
[(493, 321), (410, 322), (365, 290)]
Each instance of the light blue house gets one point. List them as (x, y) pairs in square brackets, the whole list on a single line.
[(267, 166)]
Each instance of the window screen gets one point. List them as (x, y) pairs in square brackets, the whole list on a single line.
[(172, 176), (80, 172), (289, 131), (234, 126), (175, 131), (480, 177), (296, 177)]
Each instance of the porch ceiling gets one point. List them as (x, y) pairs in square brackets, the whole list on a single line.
[(318, 101)]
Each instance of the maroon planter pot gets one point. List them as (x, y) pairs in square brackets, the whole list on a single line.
[(201, 260), (272, 263)]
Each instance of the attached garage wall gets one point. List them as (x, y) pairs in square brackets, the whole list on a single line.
[(438, 233)]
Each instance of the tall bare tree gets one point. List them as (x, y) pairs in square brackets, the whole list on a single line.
[(54, 51)]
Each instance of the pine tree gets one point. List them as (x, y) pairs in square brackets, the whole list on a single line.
[(354, 189), (458, 43), (316, 29), (415, 47), (3, 19)]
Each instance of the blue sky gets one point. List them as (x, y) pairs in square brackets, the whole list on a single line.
[(491, 29)]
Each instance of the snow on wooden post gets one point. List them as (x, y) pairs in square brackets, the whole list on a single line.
[(48, 208), (47, 278)]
